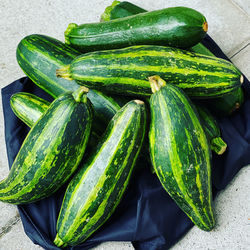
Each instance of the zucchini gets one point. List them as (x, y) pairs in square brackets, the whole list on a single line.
[(226, 104), (119, 10), (180, 152), (125, 71), (123, 9), (52, 150), (180, 27), (39, 56), (95, 191), (212, 130), (28, 107)]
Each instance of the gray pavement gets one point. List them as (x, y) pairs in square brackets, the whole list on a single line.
[(229, 22)]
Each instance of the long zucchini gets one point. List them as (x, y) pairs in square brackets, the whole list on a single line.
[(180, 27), (180, 152), (95, 191), (52, 150), (124, 9), (39, 56), (125, 71)]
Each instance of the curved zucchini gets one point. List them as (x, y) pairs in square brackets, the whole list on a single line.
[(180, 27), (125, 71), (212, 130), (180, 152), (96, 190), (39, 56), (52, 150), (123, 9)]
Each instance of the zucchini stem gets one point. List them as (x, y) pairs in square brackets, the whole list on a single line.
[(156, 82), (67, 32), (58, 242), (218, 145), (80, 94)]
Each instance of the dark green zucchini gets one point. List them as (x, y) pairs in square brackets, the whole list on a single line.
[(125, 71), (180, 152), (227, 104), (180, 27), (119, 10), (52, 150), (39, 56), (123, 9), (96, 190), (212, 130)]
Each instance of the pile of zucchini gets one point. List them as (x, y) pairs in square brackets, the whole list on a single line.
[(102, 79)]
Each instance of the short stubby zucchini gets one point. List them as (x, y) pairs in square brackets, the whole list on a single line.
[(180, 152), (96, 190), (52, 150), (180, 27), (126, 71)]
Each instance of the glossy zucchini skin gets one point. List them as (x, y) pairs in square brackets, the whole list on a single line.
[(39, 56), (180, 27), (180, 152), (96, 190), (125, 71), (52, 150), (123, 9)]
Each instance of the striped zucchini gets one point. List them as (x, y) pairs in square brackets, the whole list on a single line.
[(52, 150), (125, 71), (180, 27), (124, 9), (95, 191), (28, 107), (39, 56), (180, 152), (212, 130)]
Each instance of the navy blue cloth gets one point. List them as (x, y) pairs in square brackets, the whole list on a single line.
[(147, 216)]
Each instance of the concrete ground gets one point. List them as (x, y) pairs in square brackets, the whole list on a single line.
[(229, 22)]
